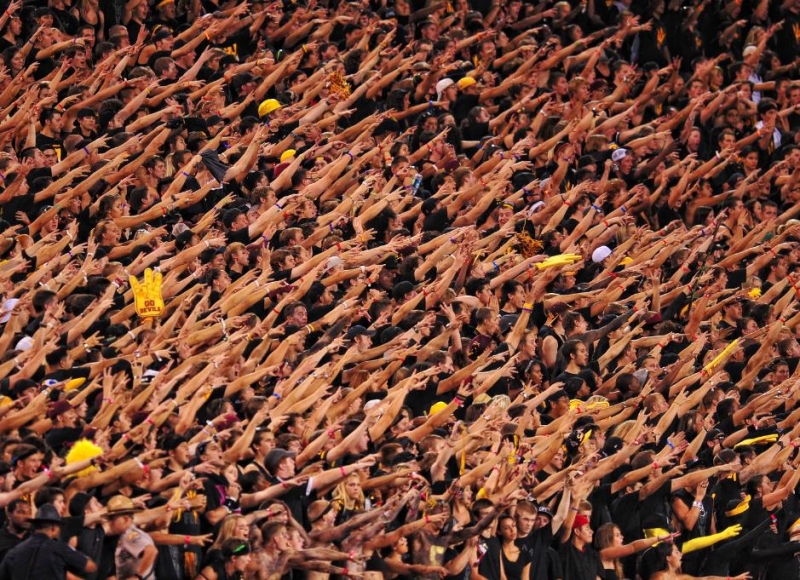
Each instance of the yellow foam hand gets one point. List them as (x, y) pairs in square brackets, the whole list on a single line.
[(147, 295), (559, 260)]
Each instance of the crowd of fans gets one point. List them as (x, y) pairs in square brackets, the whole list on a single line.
[(399, 290)]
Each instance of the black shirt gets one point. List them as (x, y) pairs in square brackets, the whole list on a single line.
[(40, 557), (534, 545), (9, 541), (580, 564)]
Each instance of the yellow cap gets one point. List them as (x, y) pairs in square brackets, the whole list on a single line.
[(268, 106), (288, 154), (73, 384), (437, 407), (625, 261), (465, 82)]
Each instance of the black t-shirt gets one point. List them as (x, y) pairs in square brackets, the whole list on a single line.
[(535, 547), (298, 501), (625, 513), (463, 105), (655, 508), (45, 142), (580, 564)]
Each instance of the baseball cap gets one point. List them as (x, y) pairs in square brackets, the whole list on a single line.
[(466, 82), (619, 154), (268, 106), (358, 330), (333, 261), (442, 85), (274, 457), (600, 254), (8, 306)]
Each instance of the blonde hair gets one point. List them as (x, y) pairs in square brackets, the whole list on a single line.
[(342, 501), (226, 530), (624, 428)]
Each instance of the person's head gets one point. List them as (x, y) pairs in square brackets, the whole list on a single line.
[(275, 537), (236, 555), (557, 82), (608, 536), (26, 461), (582, 530), (349, 493), (119, 513), (18, 512), (53, 496), (47, 521), (575, 352), (486, 321), (507, 529), (525, 515)]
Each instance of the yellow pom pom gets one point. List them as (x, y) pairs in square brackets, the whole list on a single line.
[(754, 293), (83, 449)]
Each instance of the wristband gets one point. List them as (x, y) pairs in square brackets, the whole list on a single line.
[(342, 471), (186, 540), (276, 395), (624, 210), (496, 267)]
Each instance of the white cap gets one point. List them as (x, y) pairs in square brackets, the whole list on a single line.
[(442, 85), (178, 229), (25, 343), (535, 207), (8, 306), (333, 261), (371, 403), (619, 154), (600, 254), (641, 375)]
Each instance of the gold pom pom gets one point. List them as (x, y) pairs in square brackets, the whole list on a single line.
[(339, 85), (527, 245), (83, 449)]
